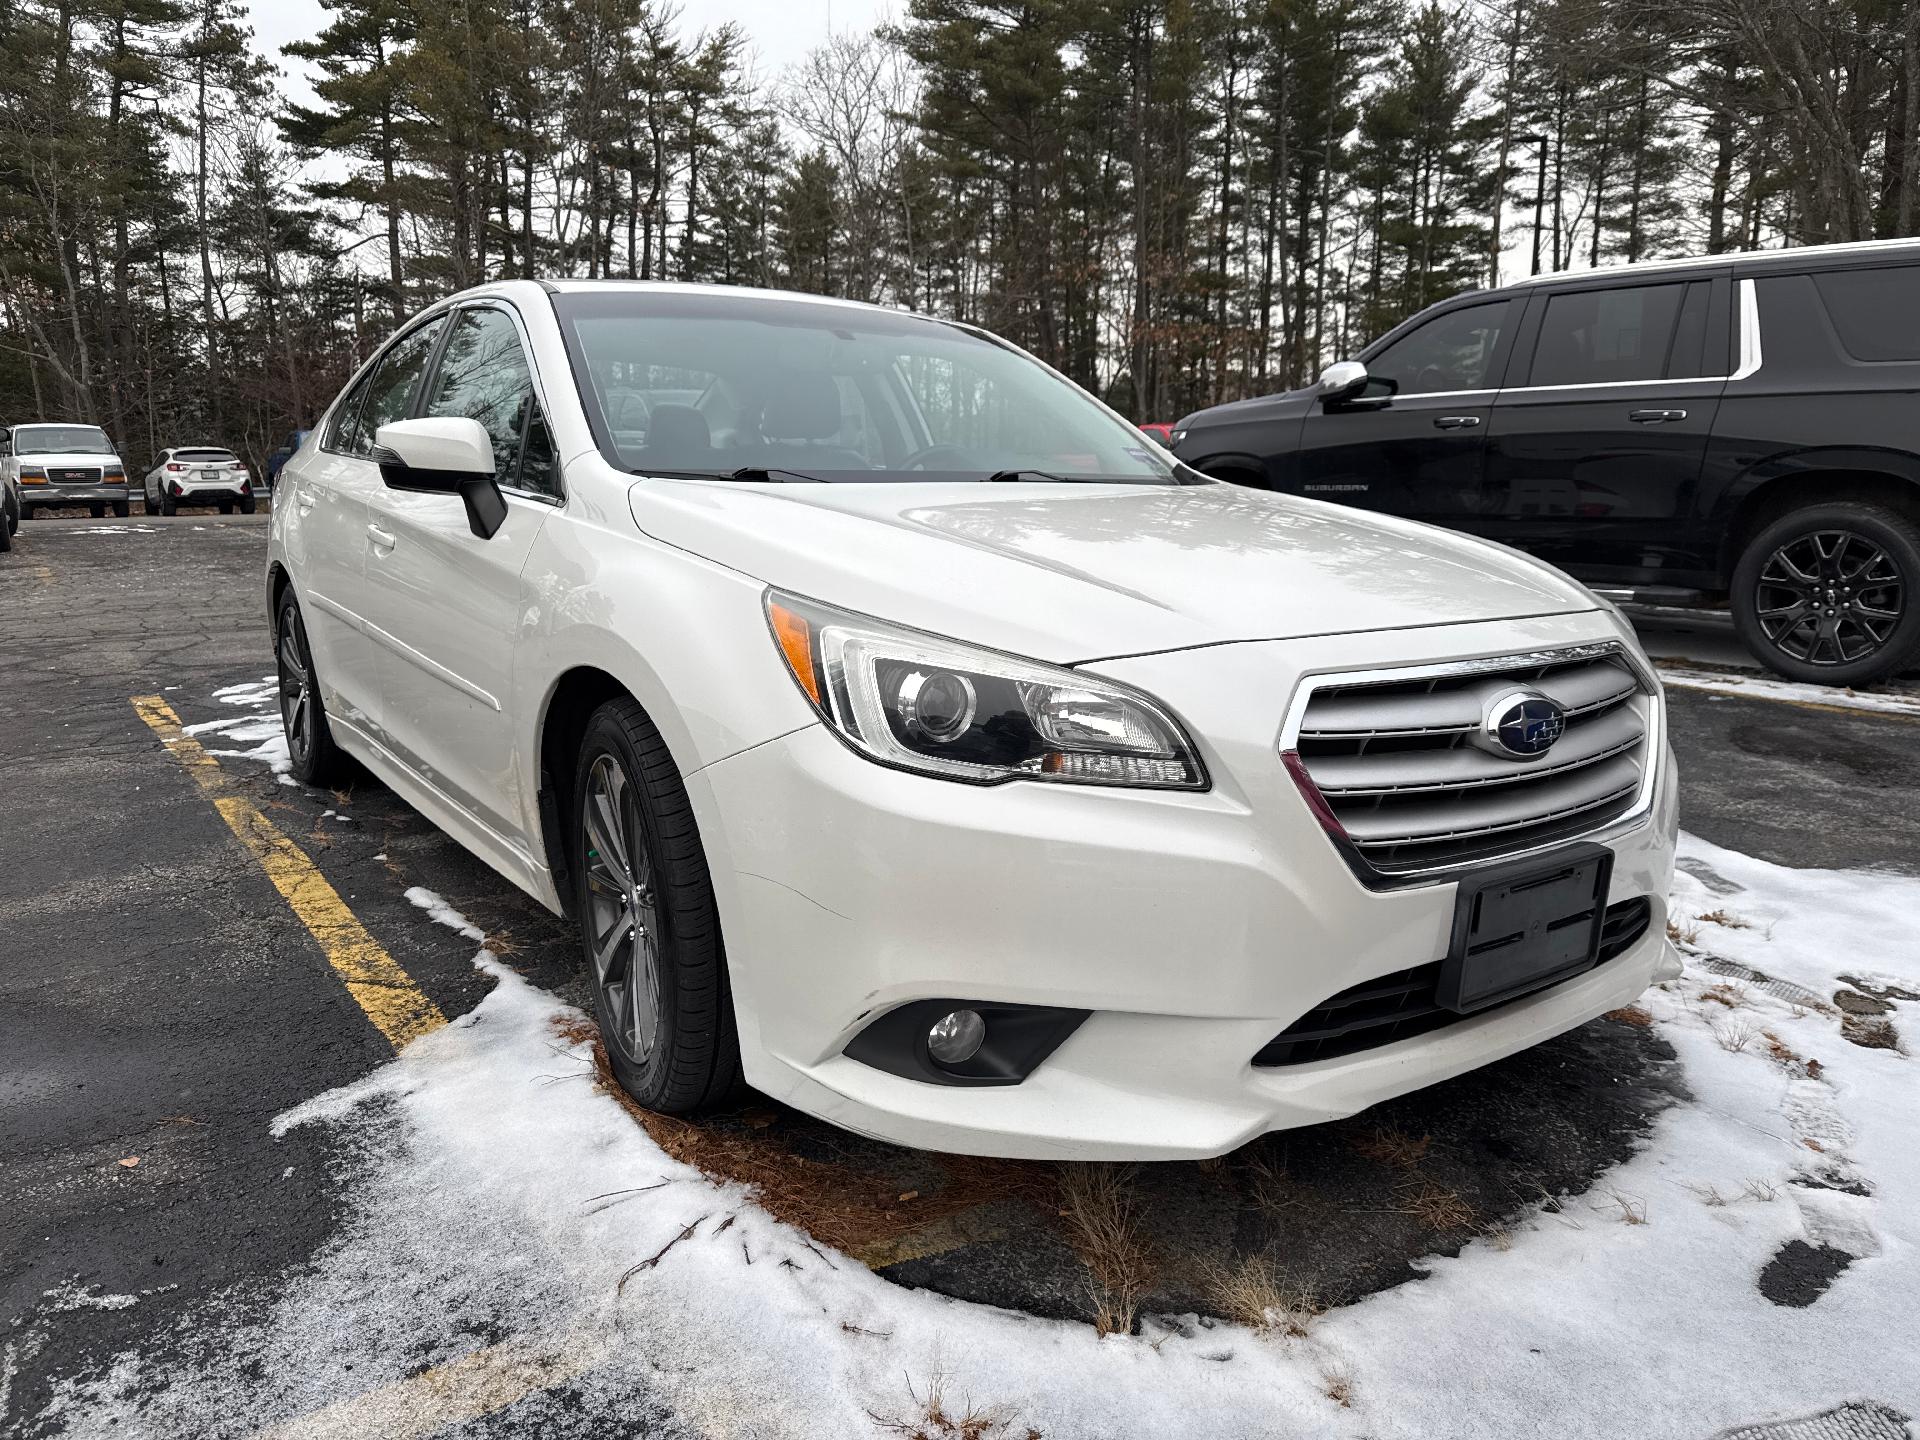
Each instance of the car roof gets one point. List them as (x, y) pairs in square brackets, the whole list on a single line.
[(1790, 258)]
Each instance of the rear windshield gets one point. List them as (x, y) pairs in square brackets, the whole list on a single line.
[(61, 440), (205, 457), (724, 386)]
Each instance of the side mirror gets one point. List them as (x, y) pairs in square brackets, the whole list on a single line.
[(444, 455), (1343, 380)]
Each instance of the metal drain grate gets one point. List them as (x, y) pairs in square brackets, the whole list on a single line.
[(1780, 989), (1856, 1420)]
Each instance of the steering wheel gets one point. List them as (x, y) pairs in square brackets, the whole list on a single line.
[(920, 459)]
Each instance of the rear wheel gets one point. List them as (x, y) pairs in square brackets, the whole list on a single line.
[(314, 758), (248, 505), (647, 918), (168, 505), (1831, 593)]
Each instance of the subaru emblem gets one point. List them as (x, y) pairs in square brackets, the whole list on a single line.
[(1520, 724)]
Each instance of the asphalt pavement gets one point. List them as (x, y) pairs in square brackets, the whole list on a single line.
[(160, 1002)]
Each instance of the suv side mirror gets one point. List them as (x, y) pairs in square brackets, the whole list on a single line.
[(1343, 380), (444, 455)]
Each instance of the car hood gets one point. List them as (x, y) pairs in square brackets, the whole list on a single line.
[(1081, 572), (69, 458)]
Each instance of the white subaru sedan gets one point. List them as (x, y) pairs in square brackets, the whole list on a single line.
[(913, 742)]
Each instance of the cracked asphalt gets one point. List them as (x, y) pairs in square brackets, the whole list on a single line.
[(159, 1003)]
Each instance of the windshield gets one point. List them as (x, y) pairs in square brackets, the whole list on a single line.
[(61, 440), (759, 387)]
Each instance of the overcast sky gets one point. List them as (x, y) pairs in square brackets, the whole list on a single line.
[(779, 31)]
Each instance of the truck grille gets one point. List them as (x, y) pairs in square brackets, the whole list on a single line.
[(1393, 757), (73, 475)]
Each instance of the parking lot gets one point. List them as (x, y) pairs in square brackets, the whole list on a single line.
[(226, 1207)]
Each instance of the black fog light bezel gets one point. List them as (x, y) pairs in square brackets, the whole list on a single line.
[(1019, 1039)]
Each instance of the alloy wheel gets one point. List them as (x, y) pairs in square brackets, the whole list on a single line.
[(622, 916), (295, 663), (1830, 597)]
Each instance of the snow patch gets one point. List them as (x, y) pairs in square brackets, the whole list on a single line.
[(498, 1196), (1763, 687)]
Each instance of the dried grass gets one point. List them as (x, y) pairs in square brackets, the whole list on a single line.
[(1682, 934), (1101, 1210), (1337, 1385), (1637, 1015), (1256, 1295), (1433, 1205), (930, 1418), (1633, 1210), (1733, 1037), (1725, 993), (1871, 1032), (1725, 920), (1391, 1146)]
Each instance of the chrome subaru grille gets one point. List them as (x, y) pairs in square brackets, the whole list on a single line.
[(1399, 757)]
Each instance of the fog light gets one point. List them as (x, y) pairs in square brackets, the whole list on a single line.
[(956, 1038)]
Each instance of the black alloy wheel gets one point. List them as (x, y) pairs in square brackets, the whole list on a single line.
[(649, 926), (1827, 594), (623, 922), (313, 757)]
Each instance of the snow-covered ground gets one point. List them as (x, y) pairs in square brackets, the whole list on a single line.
[(1755, 686), (259, 728), (511, 1223)]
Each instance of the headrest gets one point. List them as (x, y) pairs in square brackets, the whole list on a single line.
[(677, 436), (802, 405)]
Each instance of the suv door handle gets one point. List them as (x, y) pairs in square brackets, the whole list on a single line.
[(1456, 422), (1655, 417), (381, 539)]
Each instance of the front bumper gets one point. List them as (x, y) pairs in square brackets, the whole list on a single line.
[(1194, 927), (61, 496)]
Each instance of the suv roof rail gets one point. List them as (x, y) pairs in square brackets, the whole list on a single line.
[(1727, 257)]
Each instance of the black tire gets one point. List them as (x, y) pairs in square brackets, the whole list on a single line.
[(226, 507), (650, 904), (248, 505), (168, 505), (6, 533), (1830, 594), (122, 509), (99, 512), (156, 507), (29, 512), (316, 760)]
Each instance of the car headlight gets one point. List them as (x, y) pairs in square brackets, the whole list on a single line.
[(938, 707), (1174, 437)]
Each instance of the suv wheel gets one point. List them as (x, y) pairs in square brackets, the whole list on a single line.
[(122, 509), (315, 759), (1831, 594), (648, 923)]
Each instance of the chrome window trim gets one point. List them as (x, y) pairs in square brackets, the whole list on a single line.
[(1655, 742), (1620, 384), (1750, 356)]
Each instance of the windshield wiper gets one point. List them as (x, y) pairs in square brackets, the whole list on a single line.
[(1009, 476), (764, 474)]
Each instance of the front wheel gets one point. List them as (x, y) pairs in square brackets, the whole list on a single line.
[(122, 509), (313, 758), (647, 918), (99, 512), (1827, 594)]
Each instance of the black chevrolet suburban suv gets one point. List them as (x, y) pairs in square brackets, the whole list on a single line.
[(1742, 429)]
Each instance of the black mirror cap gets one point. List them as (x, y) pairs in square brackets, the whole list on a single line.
[(478, 491)]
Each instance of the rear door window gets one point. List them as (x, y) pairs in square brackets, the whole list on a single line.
[(1608, 337), (1875, 312)]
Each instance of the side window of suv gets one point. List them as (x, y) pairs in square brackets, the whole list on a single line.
[(484, 376), (1453, 351), (1603, 337), (1876, 312)]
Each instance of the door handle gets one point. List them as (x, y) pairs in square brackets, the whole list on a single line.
[(381, 539), (1456, 422), (1655, 417)]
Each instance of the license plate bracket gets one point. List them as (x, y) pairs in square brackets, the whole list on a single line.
[(1525, 926)]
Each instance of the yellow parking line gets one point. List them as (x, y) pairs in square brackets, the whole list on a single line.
[(468, 1387), (398, 1008)]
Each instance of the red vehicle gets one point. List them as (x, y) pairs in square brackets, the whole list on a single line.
[(1160, 432)]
